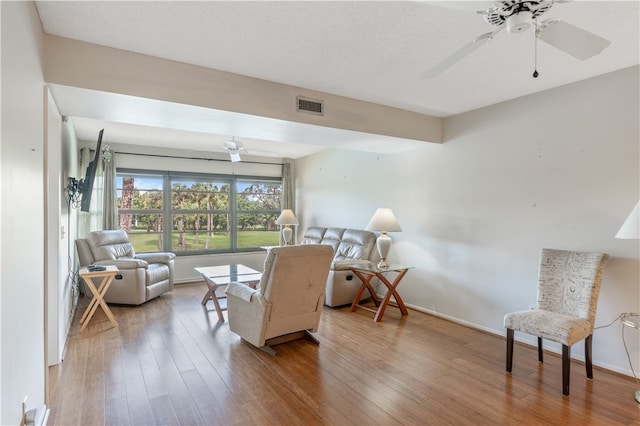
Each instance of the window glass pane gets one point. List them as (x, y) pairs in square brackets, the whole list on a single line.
[(199, 194), (259, 196), (139, 192), (256, 230), (145, 231), (200, 231), (140, 205)]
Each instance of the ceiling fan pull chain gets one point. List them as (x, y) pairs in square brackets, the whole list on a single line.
[(535, 49)]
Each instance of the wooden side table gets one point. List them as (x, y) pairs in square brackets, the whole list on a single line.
[(366, 274), (98, 292)]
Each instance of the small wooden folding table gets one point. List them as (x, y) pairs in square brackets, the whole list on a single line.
[(98, 293)]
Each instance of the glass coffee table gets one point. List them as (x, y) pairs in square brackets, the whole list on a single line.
[(217, 278)]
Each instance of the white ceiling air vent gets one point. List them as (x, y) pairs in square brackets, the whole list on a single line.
[(312, 106)]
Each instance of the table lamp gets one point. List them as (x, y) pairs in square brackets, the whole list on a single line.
[(287, 218), (630, 230), (384, 221)]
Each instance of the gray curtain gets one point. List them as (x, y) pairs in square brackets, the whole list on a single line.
[(110, 200), (287, 195), (287, 187)]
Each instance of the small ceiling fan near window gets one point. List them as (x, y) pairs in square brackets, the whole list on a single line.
[(517, 16), (235, 148)]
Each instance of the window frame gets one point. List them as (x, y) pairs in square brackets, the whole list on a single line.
[(167, 210)]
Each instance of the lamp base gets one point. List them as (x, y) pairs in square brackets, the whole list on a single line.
[(384, 245), (287, 232), (383, 264)]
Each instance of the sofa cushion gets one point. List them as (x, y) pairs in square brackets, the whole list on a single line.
[(313, 235), (355, 244), (333, 237)]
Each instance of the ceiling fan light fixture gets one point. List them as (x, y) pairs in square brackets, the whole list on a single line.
[(519, 22), (234, 155)]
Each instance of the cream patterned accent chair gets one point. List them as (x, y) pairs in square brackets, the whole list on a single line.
[(568, 288), (287, 303), (141, 277)]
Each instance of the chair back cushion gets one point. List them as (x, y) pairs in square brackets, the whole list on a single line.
[(111, 244), (85, 257), (294, 279), (569, 282)]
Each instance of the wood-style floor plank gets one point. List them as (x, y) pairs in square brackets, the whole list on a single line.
[(170, 362)]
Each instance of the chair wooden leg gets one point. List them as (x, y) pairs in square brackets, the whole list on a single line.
[(510, 334), (587, 356), (539, 349), (566, 369)]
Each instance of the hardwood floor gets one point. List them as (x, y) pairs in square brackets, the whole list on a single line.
[(171, 362)]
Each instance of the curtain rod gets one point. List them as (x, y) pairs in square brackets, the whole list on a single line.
[(193, 158)]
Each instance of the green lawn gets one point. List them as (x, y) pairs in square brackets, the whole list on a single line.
[(148, 242)]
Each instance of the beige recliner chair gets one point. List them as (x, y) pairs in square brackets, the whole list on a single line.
[(287, 302), (144, 276)]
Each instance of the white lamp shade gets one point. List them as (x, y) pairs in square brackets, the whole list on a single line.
[(383, 220), (287, 218), (630, 229)]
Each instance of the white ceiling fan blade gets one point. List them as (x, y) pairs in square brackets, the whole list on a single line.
[(465, 6), (452, 59), (579, 43)]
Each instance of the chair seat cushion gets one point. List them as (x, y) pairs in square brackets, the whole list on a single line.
[(560, 328)]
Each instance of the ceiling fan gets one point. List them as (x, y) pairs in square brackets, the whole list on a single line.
[(234, 148), (517, 16)]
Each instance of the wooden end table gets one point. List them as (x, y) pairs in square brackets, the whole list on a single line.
[(217, 277), (366, 274), (98, 293)]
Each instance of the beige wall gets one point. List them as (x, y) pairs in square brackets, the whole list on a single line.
[(557, 169), (90, 66), (22, 154)]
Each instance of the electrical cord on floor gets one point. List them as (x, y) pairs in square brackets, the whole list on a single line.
[(624, 342)]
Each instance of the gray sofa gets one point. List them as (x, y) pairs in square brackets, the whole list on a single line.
[(350, 247), (141, 277)]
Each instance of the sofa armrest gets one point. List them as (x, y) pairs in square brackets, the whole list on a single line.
[(124, 263), (345, 265), (158, 257)]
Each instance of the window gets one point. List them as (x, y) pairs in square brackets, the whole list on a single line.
[(198, 213)]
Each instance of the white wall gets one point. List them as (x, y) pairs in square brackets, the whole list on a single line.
[(62, 162), (22, 303), (557, 169)]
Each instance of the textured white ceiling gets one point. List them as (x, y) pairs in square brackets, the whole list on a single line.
[(374, 51)]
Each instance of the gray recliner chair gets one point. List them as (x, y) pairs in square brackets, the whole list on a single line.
[(351, 247), (144, 276)]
